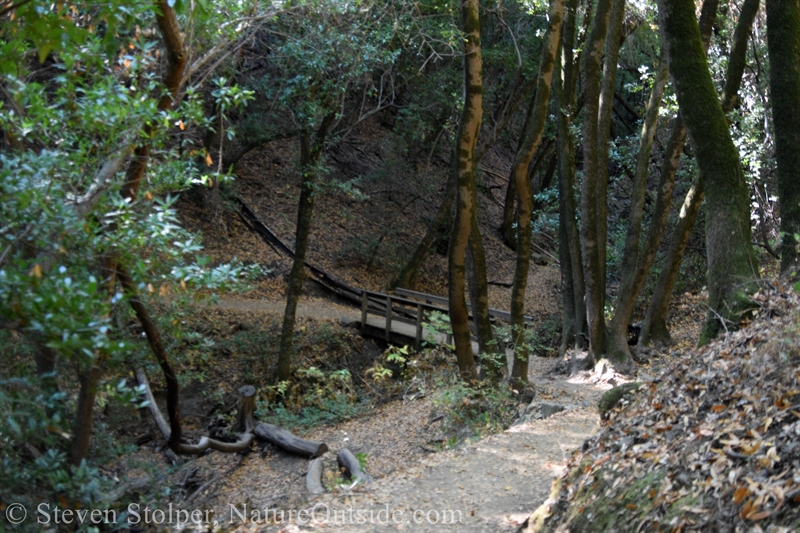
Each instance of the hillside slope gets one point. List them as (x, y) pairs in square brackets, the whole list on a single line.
[(368, 218), (711, 445)]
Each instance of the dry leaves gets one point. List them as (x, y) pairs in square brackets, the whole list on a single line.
[(714, 444)]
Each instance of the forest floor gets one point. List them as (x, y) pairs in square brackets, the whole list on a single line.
[(423, 479), (427, 477)]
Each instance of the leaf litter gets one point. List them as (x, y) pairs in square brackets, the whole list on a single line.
[(713, 444)]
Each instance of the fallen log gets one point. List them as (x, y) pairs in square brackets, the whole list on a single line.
[(244, 442), (286, 441), (314, 477), (351, 467)]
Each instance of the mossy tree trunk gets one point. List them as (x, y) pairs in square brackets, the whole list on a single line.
[(593, 267), (310, 150), (479, 298), (572, 282), (732, 263), (783, 40), (519, 174), (654, 328), (614, 41), (631, 282), (465, 187)]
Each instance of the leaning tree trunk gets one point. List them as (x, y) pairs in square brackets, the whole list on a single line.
[(519, 173), (631, 283), (783, 40), (654, 328), (309, 154), (89, 378), (465, 148), (592, 261), (669, 168), (732, 265)]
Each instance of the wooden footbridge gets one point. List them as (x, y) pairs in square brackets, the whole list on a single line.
[(400, 318)]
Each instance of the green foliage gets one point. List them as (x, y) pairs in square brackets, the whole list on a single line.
[(313, 397), (437, 324), (475, 412)]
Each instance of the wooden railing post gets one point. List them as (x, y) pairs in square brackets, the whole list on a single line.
[(388, 316), (364, 305), (418, 343)]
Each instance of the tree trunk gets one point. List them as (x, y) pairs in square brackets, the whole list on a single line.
[(654, 328), (666, 185), (176, 63), (613, 44), (783, 40), (732, 265), (479, 298), (592, 261), (510, 204), (519, 173), (565, 155), (154, 339), (309, 154), (631, 283), (465, 186), (177, 55)]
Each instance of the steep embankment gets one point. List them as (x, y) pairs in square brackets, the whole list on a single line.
[(368, 218), (712, 445)]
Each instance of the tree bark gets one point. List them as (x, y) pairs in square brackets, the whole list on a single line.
[(519, 173), (613, 44), (572, 270), (289, 442), (309, 154), (432, 234), (465, 147), (479, 298), (631, 283), (654, 328), (783, 40), (590, 219), (659, 303), (177, 55), (732, 264)]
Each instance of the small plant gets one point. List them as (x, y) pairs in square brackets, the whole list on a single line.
[(362, 460), (438, 324), (475, 411)]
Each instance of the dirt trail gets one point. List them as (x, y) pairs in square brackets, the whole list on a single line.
[(308, 307), (490, 486), (487, 486)]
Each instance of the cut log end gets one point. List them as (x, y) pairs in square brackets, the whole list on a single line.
[(314, 477), (247, 404), (351, 467)]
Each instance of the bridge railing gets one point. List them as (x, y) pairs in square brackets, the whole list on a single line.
[(398, 309), (430, 298)]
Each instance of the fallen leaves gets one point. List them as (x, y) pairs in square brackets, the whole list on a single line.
[(715, 439)]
